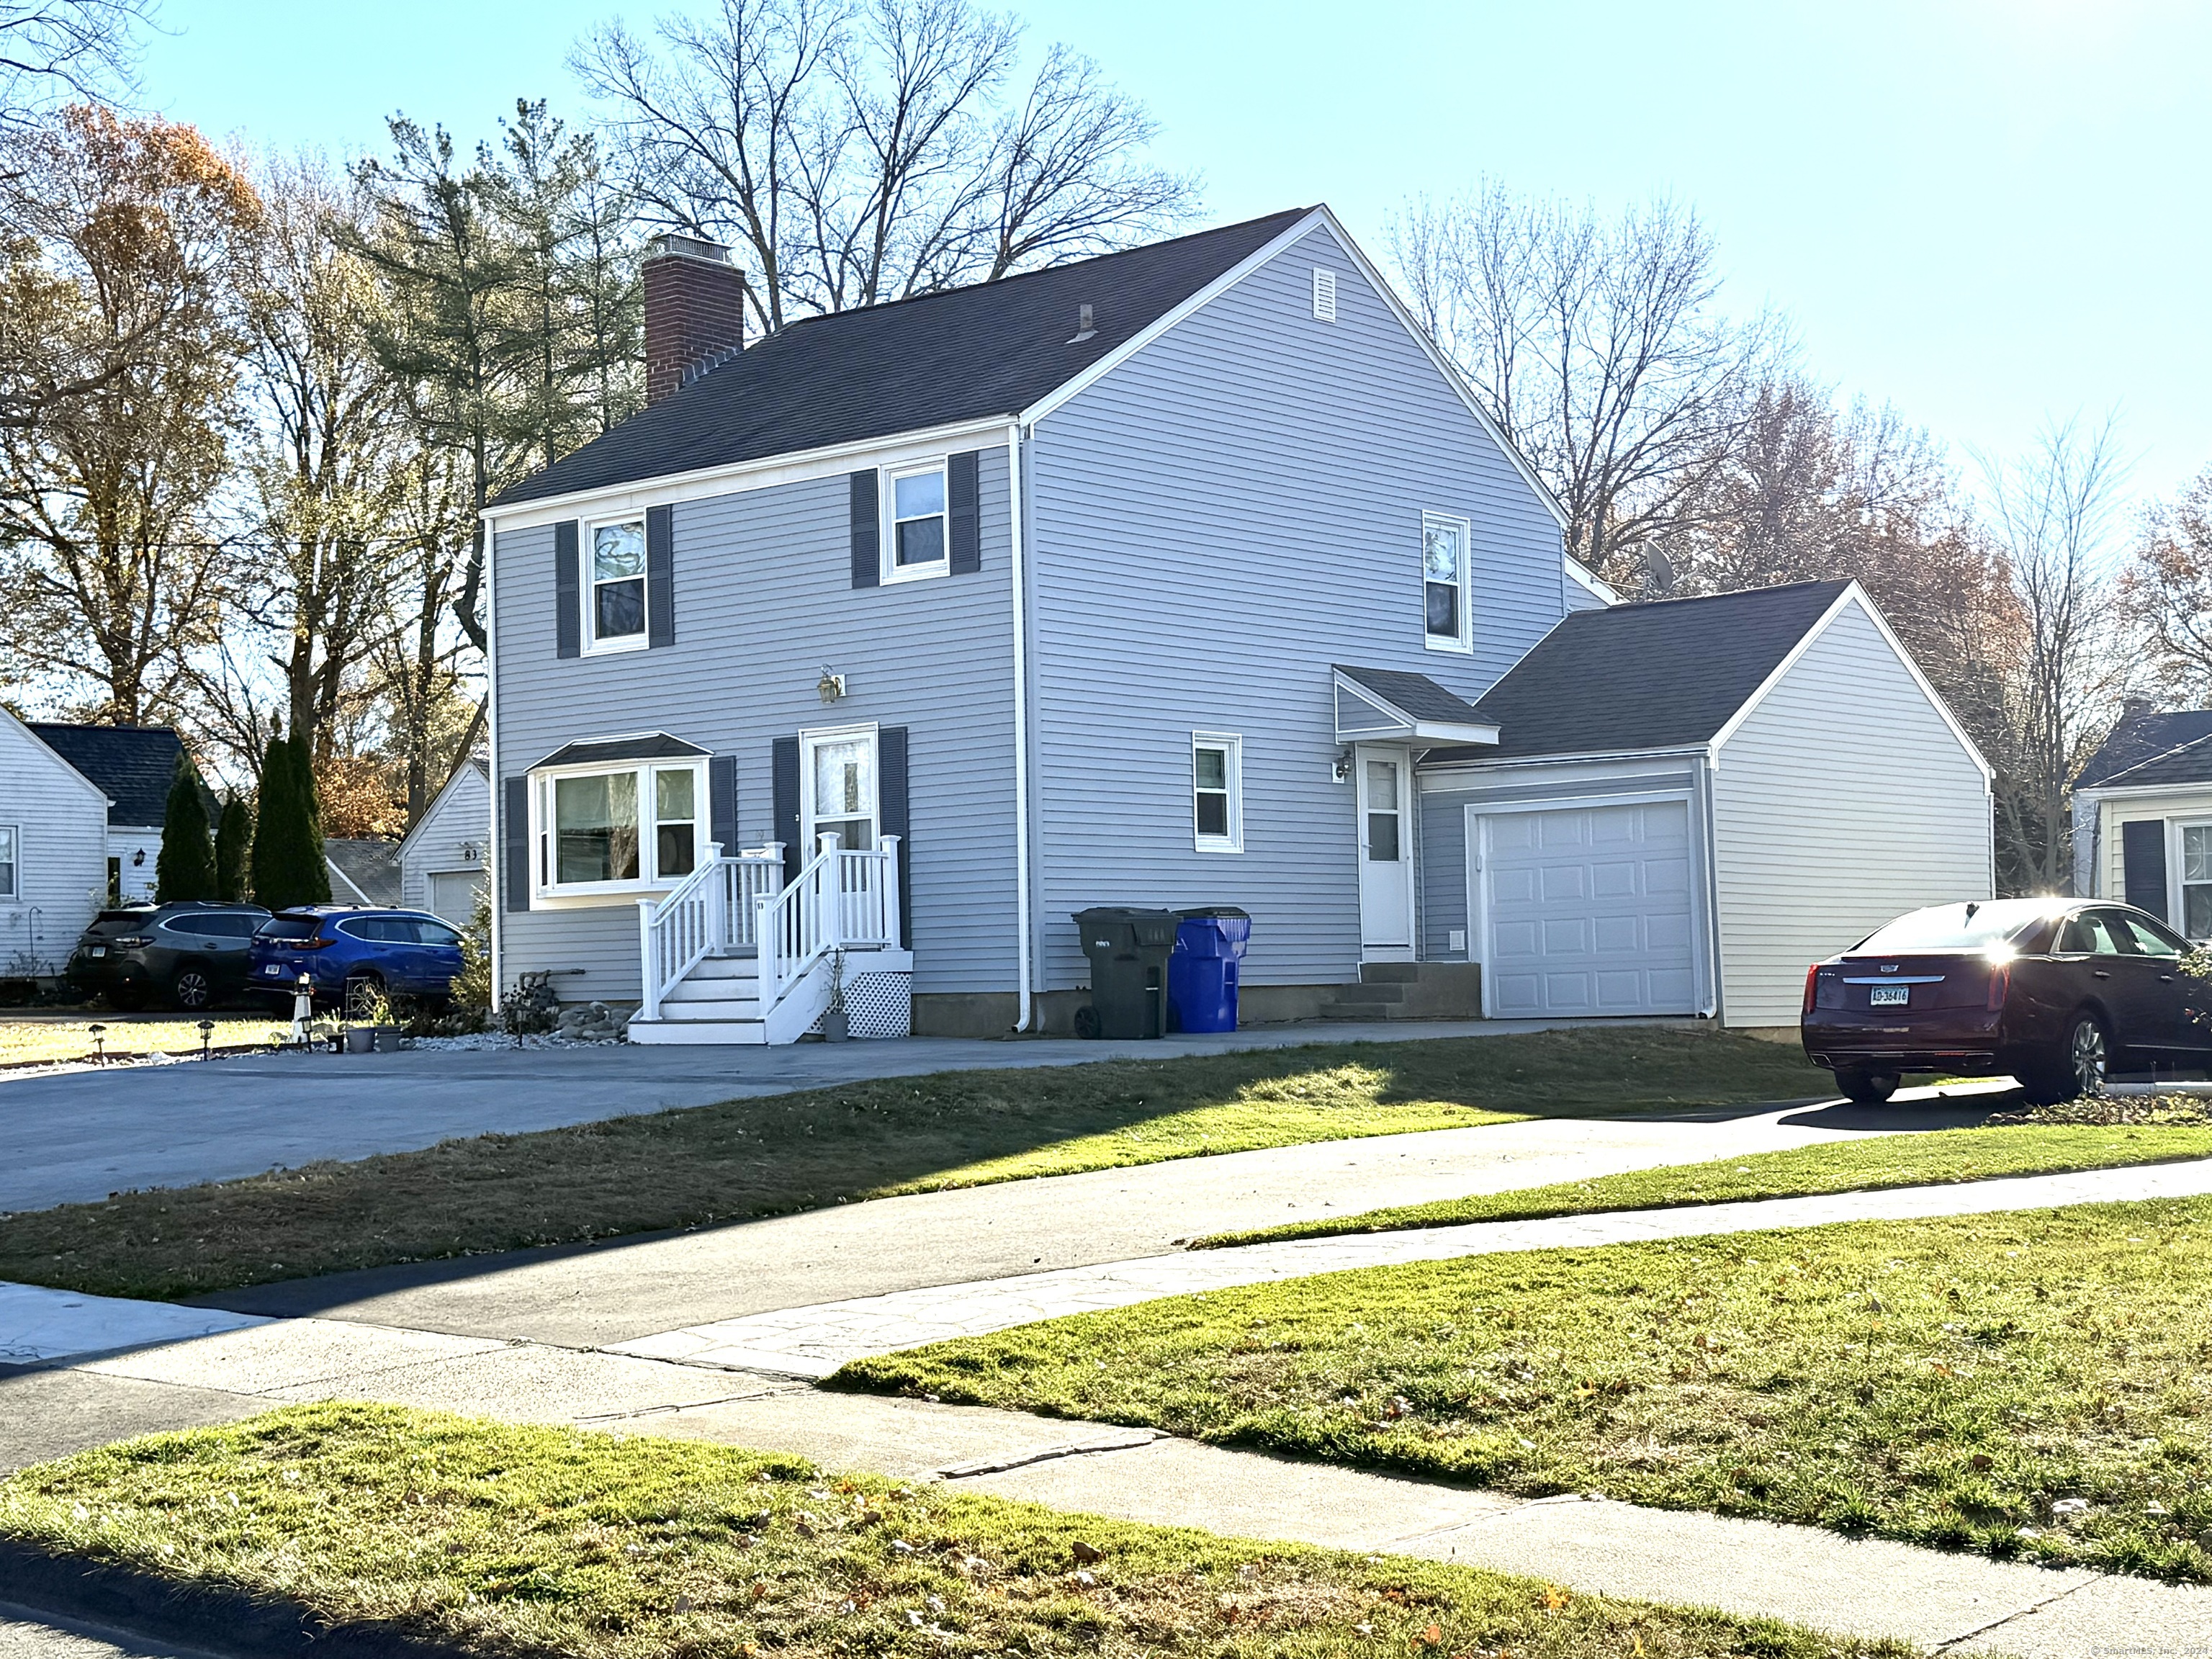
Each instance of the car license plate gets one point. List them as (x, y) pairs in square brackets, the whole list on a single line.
[(97, 950), (273, 970), (1889, 996)]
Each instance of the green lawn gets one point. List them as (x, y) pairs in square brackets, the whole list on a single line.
[(1841, 1166), (503, 1540), (1959, 1382), (762, 1156)]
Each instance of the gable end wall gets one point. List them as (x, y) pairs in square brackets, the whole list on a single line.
[(1842, 801)]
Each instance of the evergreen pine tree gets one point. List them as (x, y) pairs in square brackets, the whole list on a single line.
[(284, 868), (233, 831), (268, 863), (186, 869)]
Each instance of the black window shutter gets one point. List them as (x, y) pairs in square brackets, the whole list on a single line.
[(568, 590), (516, 841), (890, 768), (867, 532), (961, 490), (783, 772), (722, 802), (660, 575), (2142, 865)]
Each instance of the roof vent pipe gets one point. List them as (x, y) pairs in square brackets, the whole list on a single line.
[(1084, 331)]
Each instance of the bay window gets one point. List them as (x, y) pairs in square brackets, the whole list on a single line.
[(616, 828)]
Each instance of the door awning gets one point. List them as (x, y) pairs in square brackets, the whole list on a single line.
[(1380, 705)]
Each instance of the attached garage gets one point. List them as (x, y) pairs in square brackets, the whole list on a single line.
[(1585, 910), (1689, 801)]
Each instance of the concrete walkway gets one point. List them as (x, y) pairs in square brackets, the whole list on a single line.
[(1946, 1602), (76, 1137), (814, 1341)]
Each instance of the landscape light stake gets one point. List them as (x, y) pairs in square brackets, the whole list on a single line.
[(99, 1045), (207, 1037)]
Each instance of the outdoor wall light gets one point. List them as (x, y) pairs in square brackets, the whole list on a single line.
[(138, 858), (1340, 768), (830, 687)]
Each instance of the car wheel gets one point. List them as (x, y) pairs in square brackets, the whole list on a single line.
[(192, 989), (1866, 1088), (361, 993), (2075, 1068)]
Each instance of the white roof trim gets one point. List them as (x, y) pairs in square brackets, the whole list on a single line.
[(468, 764), (1509, 763), (1453, 732), (1852, 596), (347, 882), (107, 801), (1588, 579), (1321, 217), (1409, 724), (2115, 792)]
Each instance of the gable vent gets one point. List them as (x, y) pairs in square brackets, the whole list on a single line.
[(1324, 294)]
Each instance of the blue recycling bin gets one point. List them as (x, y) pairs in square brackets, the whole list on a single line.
[(1202, 971)]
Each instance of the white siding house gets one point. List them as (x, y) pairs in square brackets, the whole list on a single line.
[(445, 860), (53, 853), (2143, 817)]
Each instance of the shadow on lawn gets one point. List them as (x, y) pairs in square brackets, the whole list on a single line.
[(456, 1210)]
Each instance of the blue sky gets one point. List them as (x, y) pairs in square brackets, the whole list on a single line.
[(1986, 213)]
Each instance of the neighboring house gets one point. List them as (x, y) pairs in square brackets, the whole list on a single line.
[(445, 860), (53, 853), (2143, 817), (1188, 575), (363, 869)]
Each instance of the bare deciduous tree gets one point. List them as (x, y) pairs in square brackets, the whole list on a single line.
[(2167, 591), (56, 51), (1598, 348), (863, 150), (2055, 512)]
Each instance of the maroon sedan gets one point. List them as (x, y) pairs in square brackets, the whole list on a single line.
[(2052, 992)]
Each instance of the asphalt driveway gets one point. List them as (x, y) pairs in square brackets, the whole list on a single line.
[(76, 1137)]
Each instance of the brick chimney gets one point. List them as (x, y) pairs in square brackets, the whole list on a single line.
[(694, 311)]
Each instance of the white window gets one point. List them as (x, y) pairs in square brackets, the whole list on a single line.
[(11, 879), (1324, 294), (1444, 583), (617, 828), (1217, 792), (2196, 880), (838, 778), (613, 610), (915, 541)]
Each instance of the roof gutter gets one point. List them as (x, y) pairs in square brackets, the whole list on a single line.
[(1018, 585)]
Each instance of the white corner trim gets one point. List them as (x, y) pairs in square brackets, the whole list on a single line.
[(1017, 586), (1853, 596), (794, 466)]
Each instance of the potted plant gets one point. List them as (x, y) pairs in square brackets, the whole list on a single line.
[(836, 1028)]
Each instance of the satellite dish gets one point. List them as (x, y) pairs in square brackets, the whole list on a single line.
[(1658, 571)]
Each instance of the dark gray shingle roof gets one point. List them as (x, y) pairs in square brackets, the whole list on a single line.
[(966, 354), (641, 745), (2153, 748), (132, 765), (1414, 694), (371, 864), (1646, 676)]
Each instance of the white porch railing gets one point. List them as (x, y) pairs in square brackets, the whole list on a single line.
[(841, 900), (711, 911)]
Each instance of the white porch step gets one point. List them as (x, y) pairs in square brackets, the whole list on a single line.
[(672, 1031)]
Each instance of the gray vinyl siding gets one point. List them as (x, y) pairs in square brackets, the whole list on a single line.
[(460, 817), (61, 825), (764, 605), (1213, 523), (1842, 801), (1445, 902)]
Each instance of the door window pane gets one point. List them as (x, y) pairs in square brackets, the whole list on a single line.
[(595, 828), (2149, 941), (675, 822), (617, 580), (1382, 812), (843, 801), (2086, 933)]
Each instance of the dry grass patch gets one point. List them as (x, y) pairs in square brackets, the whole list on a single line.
[(43, 1041)]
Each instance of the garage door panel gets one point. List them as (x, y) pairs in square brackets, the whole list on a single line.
[(1589, 910)]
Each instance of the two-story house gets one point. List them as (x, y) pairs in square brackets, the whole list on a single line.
[(1188, 574)]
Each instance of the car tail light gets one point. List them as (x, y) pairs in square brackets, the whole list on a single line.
[(1811, 974), (132, 942), (2000, 982)]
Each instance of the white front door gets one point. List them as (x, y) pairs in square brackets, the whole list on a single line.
[(838, 782), (1386, 853)]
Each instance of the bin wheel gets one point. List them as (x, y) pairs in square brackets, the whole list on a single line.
[(1087, 1022)]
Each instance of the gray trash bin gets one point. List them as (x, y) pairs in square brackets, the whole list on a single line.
[(1128, 949)]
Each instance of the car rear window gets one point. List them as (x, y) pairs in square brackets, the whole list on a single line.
[(1957, 928), (289, 928)]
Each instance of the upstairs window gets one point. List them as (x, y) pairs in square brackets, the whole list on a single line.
[(917, 542), (1217, 775), (1444, 582), (616, 608)]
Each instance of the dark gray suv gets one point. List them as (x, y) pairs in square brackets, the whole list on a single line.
[(192, 955)]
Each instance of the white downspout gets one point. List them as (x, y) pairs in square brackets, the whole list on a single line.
[(1019, 584), (495, 852)]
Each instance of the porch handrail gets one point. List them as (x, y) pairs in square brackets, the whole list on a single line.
[(840, 899), (709, 911)]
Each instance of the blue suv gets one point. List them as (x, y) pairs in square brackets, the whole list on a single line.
[(351, 956)]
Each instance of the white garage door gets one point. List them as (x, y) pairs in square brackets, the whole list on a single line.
[(1589, 911), (453, 894)]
